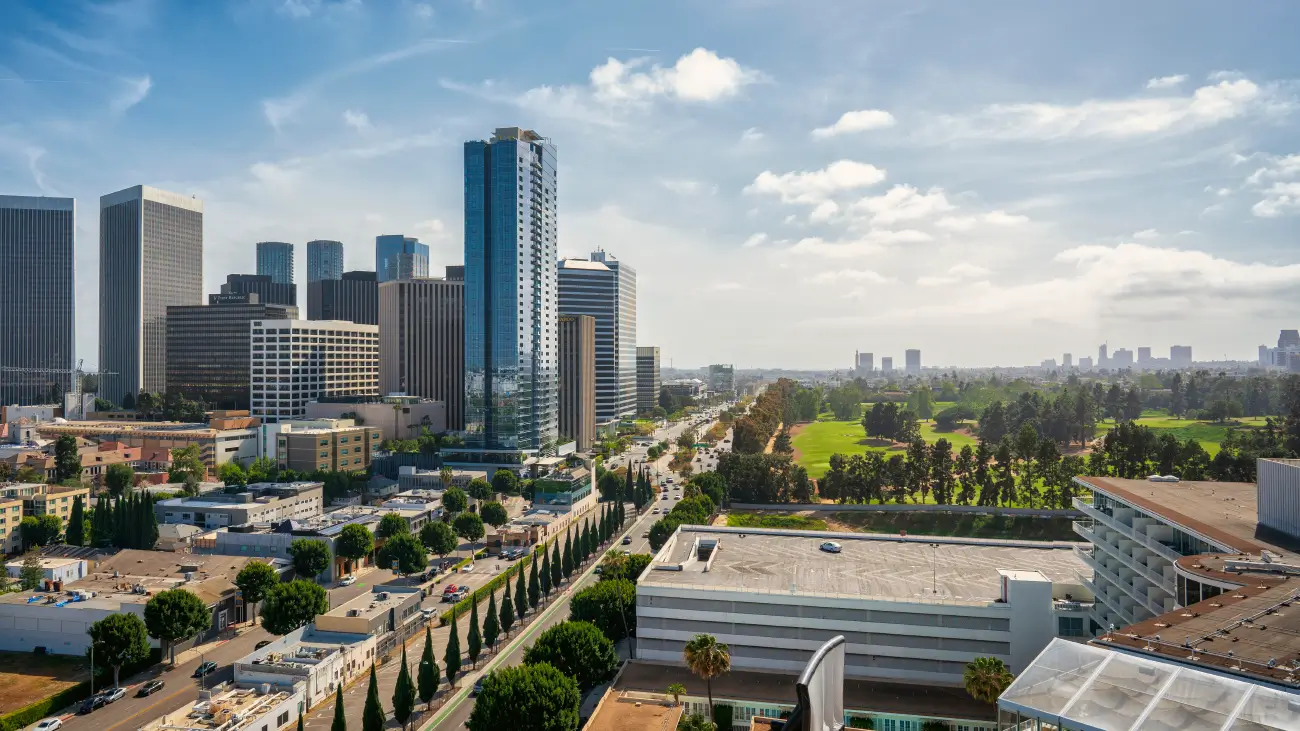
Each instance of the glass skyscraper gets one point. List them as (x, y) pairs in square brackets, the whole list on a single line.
[(275, 260), (511, 313), (605, 288), (400, 257), (37, 297), (324, 260)]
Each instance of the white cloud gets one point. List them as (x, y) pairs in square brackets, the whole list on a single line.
[(751, 135), (1146, 233), (134, 93), (903, 203), (432, 226), (1275, 182), (356, 119), (1277, 168), (872, 243), (992, 218), (848, 275), (825, 211), (862, 120), (1105, 118), (726, 286), (1166, 82), (699, 76), (819, 185), (686, 187), (1280, 199), (754, 240), (959, 272)]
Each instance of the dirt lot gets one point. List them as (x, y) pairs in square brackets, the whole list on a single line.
[(26, 677)]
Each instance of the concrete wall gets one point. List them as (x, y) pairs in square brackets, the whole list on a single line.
[(60, 630), (1279, 495)]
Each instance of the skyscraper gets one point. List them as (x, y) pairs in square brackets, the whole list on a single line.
[(208, 347), (1102, 360), (1288, 339), (647, 378), (1122, 358), (511, 337), (275, 260), (864, 364), (150, 257), (324, 260), (37, 296), (422, 342), (322, 359), (400, 257), (605, 288), (353, 297), (1180, 356), (912, 361), (578, 379), (269, 291), (1144, 356), (886, 364), (1067, 360)]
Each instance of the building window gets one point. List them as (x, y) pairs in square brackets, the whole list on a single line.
[(1069, 626)]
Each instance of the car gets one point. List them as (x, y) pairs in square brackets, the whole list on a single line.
[(261, 644), (627, 540), (467, 568), (429, 613), (831, 547), (92, 703), (348, 580), (677, 497), (670, 480), (478, 687), (645, 534), (49, 724), (450, 589), (205, 669), (113, 694), (149, 688), (627, 553), (600, 570)]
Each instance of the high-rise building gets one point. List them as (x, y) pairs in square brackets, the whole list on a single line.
[(275, 260), (1102, 360), (422, 342), (1144, 356), (324, 260), (912, 361), (578, 379), (1067, 360), (269, 291), (1121, 358), (605, 288), (1085, 363), (886, 364), (208, 347), (722, 378), (37, 297), (511, 337), (400, 257), (1180, 356), (1288, 339), (864, 364), (354, 297), (297, 361), (150, 258), (648, 379)]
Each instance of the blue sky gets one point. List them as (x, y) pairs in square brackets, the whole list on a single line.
[(994, 183)]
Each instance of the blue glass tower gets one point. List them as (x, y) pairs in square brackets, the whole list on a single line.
[(400, 257), (275, 260), (511, 318)]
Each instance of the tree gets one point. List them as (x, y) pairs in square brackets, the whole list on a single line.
[(935, 725), (392, 524), (118, 478), (428, 672), (707, 659), (507, 616), (254, 581), (619, 566), (372, 716), (534, 584), (521, 593), (454, 500), (474, 640), (310, 557), (577, 649), (439, 538), (119, 639), (469, 526), (291, 605), (494, 514), (340, 722), (355, 541), (535, 697), (491, 623), (696, 722), (40, 531), (566, 558), (76, 533), (405, 552), (173, 615), (677, 690), (451, 658), (479, 489), (404, 692), (232, 474), (187, 463), (985, 678), (505, 482), (608, 605), (67, 462), (32, 573)]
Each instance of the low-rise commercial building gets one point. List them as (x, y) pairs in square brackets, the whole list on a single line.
[(62, 570), (340, 447), (238, 708), (263, 502), (396, 417), (413, 478), (316, 661), (912, 609), (228, 436), (384, 610)]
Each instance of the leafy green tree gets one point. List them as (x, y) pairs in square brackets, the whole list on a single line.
[(428, 672), (608, 605), (491, 623), (310, 557), (625, 567), (454, 500), (985, 678), (468, 526), (392, 524), (406, 552), (451, 658), (254, 581), (232, 474), (118, 478), (535, 697), (577, 649), (173, 615), (340, 722), (707, 659), (439, 538), (187, 463), (355, 542), (67, 462), (76, 533), (479, 489), (372, 716), (507, 616), (696, 722), (291, 605), (32, 573), (40, 531), (119, 639), (494, 514), (505, 482), (404, 692)]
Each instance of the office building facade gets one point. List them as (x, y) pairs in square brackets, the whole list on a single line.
[(578, 379), (511, 348), (863, 364), (150, 258), (1180, 356), (268, 290), (1067, 360), (648, 379), (422, 341), (912, 361), (722, 379), (208, 347), (324, 260), (886, 364), (354, 297), (297, 361), (605, 288), (37, 297), (275, 260), (1121, 358), (400, 257)]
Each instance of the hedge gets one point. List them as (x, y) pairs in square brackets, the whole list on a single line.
[(723, 715)]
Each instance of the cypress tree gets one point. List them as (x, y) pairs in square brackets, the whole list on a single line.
[(151, 522), (491, 624), (76, 530), (627, 485), (372, 716), (451, 659), (428, 672), (521, 593), (474, 642), (534, 586), (557, 571), (584, 542), (567, 556), (300, 728), (507, 610), (340, 719), (545, 575), (121, 525), (404, 693)]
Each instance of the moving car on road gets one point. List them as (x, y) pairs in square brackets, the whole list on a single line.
[(205, 669), (149, 688), (348, 580)]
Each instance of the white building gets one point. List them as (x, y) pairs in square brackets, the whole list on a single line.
[(234, 709), (914, 609), (315, 661), (263, 502), (52, 568), (295, 362)]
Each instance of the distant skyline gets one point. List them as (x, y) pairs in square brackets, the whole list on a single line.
[(992, 184)]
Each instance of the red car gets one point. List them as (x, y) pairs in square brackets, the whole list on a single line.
[(450, 589)]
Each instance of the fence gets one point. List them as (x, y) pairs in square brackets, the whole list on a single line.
[(904, 508)]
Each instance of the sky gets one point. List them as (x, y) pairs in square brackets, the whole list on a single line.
[(992, 183)]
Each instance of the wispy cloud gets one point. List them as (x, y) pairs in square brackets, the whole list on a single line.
[(862, 120), (1166, 82), (135, 92), (818, 185), (356, 119)]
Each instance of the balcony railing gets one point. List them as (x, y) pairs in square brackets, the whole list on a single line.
[(1133, 592), (1099, 596), (1147, 541), (1146, 573)]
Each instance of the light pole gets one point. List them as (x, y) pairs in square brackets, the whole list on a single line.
[(934, 570), (203, 679)]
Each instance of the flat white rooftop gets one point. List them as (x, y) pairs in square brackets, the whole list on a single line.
[(888, 568)]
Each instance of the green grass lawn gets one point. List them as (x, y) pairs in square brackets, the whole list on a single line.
[(961, 524), (820, 439), (1207, 433), (768, 520), (956, 439)]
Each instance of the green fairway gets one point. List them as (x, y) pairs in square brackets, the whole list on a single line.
[(956, 439), (1207, 433), (770, 520), (819, 440)]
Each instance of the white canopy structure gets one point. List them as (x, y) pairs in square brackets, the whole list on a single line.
[(1077, 687)]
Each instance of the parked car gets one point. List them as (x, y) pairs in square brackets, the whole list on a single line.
[(205, 669), (261, 644), (149, 688), (90, 704), (348, 580), (478, 687), (113, 694), (467, 568), (831, 547), (49, 724)]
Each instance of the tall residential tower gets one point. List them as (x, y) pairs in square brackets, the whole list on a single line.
[(422, 341), (400, 257), (324, 260), (275, 260), (605, 288)]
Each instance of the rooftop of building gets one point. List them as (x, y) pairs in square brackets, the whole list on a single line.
[(108, 426), (47, 562), (1222, 511), (583, 264), (882, 567), (258, 492), (229, 710), (623, 711), (371, 605)]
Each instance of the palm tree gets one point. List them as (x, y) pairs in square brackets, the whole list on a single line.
[(985, 678), (707, 658), (676, 690)]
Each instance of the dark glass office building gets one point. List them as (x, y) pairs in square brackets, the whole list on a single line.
[(150, 258), (422, 342), (400, 257), (264, 286), (208, 358), (324, 260), (37, 297), (275, 260), (352, 298), (511, 328)]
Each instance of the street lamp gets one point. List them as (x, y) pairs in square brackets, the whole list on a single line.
[(934, 559)]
